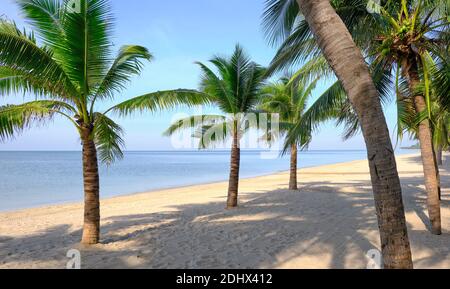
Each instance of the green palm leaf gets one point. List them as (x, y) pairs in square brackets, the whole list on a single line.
[(210, 129), (278, 19), (161, 100), (46, 17), (108, 137), (20, 53), (193, 122), (85, 49), (127, 64), (15, 118)]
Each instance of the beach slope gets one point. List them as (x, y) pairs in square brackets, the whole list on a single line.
[(329, 223)]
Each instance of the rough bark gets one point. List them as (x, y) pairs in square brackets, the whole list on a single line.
[(293, 184), (430, 167), (233, 186), (439, 156), (348, 63), (91, 227), (438, 176)]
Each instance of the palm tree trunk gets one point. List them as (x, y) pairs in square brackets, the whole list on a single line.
[(233, 186), (91, 227), (439, 157), (293, 184), (438, 176), (348, 63), (428, 157), (438, 173)]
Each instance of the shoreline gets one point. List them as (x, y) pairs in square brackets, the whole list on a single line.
[(67, 203), (329, 223)]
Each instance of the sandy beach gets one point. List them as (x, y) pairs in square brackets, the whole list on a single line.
[(329, 223)]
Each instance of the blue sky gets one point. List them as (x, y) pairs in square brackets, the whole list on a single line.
[(178, 33)]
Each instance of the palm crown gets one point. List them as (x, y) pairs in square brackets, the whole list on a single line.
[(70, 70), (69, 73), (408, 34), (235, 89), (417, 26), (289, 98)]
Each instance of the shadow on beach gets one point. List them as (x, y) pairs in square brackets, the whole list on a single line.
[(323, 225)]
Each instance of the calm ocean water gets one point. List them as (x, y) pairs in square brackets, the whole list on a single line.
[(31, 179)]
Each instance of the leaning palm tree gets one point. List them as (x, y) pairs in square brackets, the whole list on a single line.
[(407, 41), (333, 40), (440, 88), (289, 99), (415, 27), (69, 74), (235, 90)]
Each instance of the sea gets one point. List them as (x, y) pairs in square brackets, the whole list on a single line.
[(35, 179)]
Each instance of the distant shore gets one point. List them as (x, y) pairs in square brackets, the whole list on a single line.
[(329, 223)]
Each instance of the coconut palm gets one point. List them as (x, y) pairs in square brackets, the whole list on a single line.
[(418, 27), (409, 37), (441, 135), (289, 99), (332, 39), (69, 71), (441, 87), (235, 90)]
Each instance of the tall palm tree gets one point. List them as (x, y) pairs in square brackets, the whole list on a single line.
[(409, 37), (333, 40), (235, 90), (441, 133), (69, 71), (440, 88), (289, 98), (417, 26)]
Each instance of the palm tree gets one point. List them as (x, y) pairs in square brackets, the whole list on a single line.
[(235, 90), (417, 26), (441, 135), (440, 88), (289, 99), (334, 41), (69, 74), (409, 37)]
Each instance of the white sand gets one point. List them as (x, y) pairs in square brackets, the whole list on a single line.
[(329, 223)]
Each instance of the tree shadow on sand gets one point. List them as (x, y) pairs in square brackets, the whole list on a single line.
[(309, 228)]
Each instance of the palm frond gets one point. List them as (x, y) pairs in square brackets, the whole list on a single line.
[(327, 106), (161, 100), (217, 88), (108, 137), (209, 129), (85, 50), (15, 81), (46, 17), (128, 63), (315, 68), (193, 122), (278, 19), (16, 118), (20, 53), (296, 49), (235, 88), (214, 134), (441, 81)]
